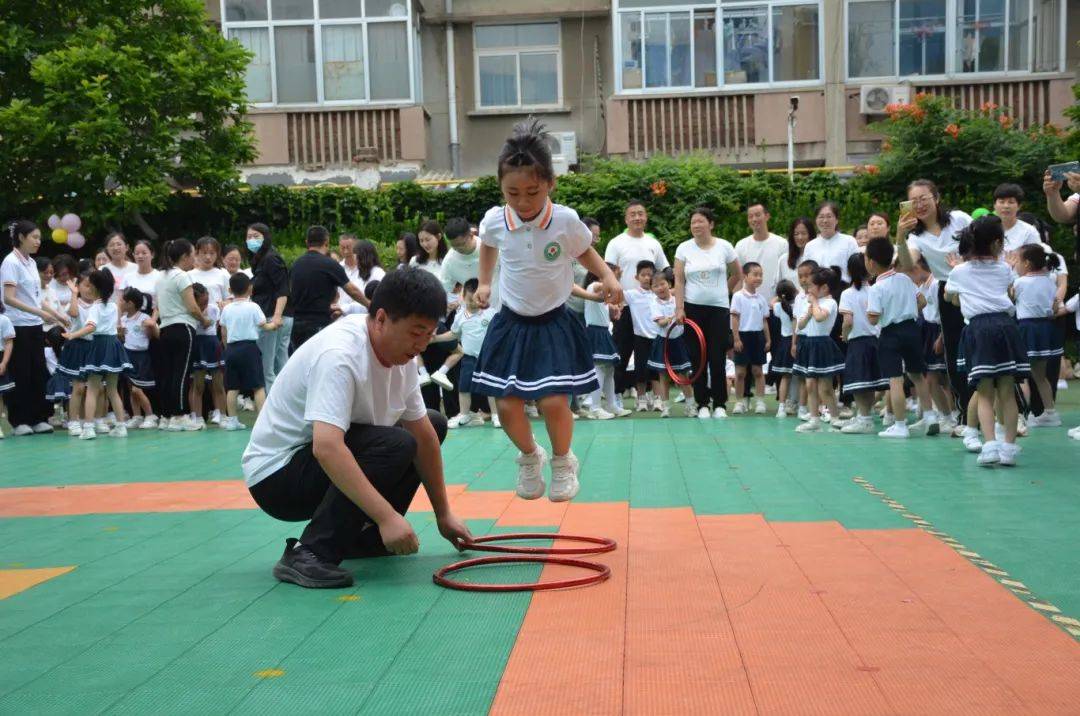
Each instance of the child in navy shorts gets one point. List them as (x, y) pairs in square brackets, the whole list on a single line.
[(240, 324)]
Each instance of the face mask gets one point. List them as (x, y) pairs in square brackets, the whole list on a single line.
[(254, 245)]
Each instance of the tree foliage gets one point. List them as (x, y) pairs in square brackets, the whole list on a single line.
[(140, 96)]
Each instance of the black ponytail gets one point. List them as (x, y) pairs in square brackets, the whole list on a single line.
[(174, 251), (856, 266), (786, 292), (1039, 258), (527, 148)]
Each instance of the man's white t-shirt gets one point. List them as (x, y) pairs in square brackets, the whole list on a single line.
[(334, 378), (767, 253), (626, 251), (457, 268)]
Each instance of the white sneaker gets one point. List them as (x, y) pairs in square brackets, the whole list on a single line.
[(495, 422), (1007, 453), (120, 431), (457, 421), (946, 425), (703, 413), (101, 426), (21, 430), (959, 431), (215, 417), (186, 424), (812, 425), (42, 428), (1063, 384), (232, 423), (1021, 426), (532, 411), (658, 404), (88, 433), (859, 426), (425, 378), (441, 380), (781, 411), (622, 412), (898, 431), (564, 478), (920, 427), (845, 413), (599, 414), (932, 420), (249, 404), (911, 404), (739, 409), (642, 405), (972, 442), (133, 422), (665, 412), (57, 420), (804, 413), (690, 409), (679, 398), (1048, 419), (199, 423), (759, 407), (530, 484), (148, 423), (719, 413), (888, 420), (1074, 433), (165, 423), (990, 455), (770, 390), (75, 428), (110, 418)]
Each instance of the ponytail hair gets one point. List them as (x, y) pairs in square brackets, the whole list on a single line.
[(134, 296), (174, 251), (1039, 258), (856, 267), (786, 292), (19, 227), (527, 148), (825, 277)]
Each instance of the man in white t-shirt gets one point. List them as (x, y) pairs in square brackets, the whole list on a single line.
[(344, 439), (626, 251), (762, 247)]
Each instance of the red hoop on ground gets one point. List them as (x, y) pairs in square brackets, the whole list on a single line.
[(602, 572), (604, 544), (675, 377)]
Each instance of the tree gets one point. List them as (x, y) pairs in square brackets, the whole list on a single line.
[(107, 106)]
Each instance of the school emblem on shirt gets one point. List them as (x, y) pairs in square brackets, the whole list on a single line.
[(552, 251)]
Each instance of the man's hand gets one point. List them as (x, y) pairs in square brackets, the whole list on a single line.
[(738, 345), (398, 535), (454, 530), (483, 295)]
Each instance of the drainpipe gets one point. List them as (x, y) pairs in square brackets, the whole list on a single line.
[(451, 92)]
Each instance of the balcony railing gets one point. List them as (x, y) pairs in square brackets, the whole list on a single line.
[(1027, 100), (327, 139), (682, 125)]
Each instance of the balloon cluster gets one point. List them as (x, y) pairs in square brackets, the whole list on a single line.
[(65, 230)]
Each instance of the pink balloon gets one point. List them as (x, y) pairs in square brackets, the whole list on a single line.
[(54, 222), (71, 223), (76, 240)]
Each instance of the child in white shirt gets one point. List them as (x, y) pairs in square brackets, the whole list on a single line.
[(749, 310)]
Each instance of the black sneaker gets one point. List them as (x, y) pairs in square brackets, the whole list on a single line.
[(299, 565)]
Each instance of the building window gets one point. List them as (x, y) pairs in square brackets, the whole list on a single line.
[(674, 44), (953, 38), (309, 52), (518, 66)]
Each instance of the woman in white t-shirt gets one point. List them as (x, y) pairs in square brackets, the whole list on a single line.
[(146, 276), (931, 232), (706, 271), (432, 249), (831, 249), (360, 260), (801, 232), (232, 260), (28, 411), (120, 265), (179, 314)]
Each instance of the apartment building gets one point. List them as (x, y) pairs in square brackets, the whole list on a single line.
[(359, 90)]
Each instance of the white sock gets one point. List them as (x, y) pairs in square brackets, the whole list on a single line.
[(443, 370)]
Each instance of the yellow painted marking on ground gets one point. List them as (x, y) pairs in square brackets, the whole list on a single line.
[(13, 581), (349, 598), (270, 673)]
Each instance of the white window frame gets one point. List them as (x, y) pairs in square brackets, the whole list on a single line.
[(952, 25), (517, 52), (718, 7), (318, 23)]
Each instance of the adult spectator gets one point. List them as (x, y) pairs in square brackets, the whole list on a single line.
[(28, 411), (360, 260), (762, 247), (120, 264), (344, 439), (1064, 212), (800, 233), (270, 290), (707, 270), (314, 285), (625, 251), (831, 249)]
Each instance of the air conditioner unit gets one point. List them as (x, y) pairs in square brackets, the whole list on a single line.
[(563, 150), (873, 99)]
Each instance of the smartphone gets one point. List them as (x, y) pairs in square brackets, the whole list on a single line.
[(1058, 171), (907, 208)]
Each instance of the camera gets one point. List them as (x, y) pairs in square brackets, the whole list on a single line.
[(794, 99)]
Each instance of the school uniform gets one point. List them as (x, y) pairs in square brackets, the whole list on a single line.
[(817, 355), (7, 332), (106, 354), (751, 308), (206, 350), (862, 370), (930, 326), (991, 344), (639, 305), (534, 347), (241, 320), (781, 360), (676, 349), (470, 328), (1035, 296), (137, 345), (598, 330), (893, 298)]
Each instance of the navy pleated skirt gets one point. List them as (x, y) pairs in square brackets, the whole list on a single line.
[(935, 362), (106, 356), (781, 357), (206, 353), (73, 357), (1041, 338), (531, 357), (141, 374), (861, 369), (991, 346), (677, 354), (817, 357), (602, 344)]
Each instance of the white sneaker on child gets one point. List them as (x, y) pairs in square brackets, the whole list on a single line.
[(622, 412), (75, 428), (133, 422), (101, 427), (813, 425), (457, 421), (149, 423), (232, 423), (642, 405), (530, 484), (1048, 419), (1074, 433), (495, 422), (120, 431), (781, 411), (704, 413), (679, 398), (897, 430), (440, 379), (599, 414), (861, 425), (532, 411), (425, 377), (990, 455), (89, 432), (759, 407), (719, 413), (215, 417), (658, 404), (199, 423), (804, 413), (740, 408), (1007, 453), (564, 478), (665, 412)]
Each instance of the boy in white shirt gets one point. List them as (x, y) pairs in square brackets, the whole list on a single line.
[(645, 330), (240, 322), (469, 327), (749, 311)]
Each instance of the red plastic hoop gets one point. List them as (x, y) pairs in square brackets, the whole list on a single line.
[(675, 377), (603, 544), (602, 573)]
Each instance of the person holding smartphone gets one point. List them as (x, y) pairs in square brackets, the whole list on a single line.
[(1064, 211)]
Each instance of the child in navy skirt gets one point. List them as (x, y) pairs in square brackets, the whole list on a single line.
[(7, 341), (1036, 303), (781, 360), (862, 372), (205, 354), (604, 352), (818, 359), (994, 353), (534, 348), (105, 359), (662, 312), (137, 329)]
